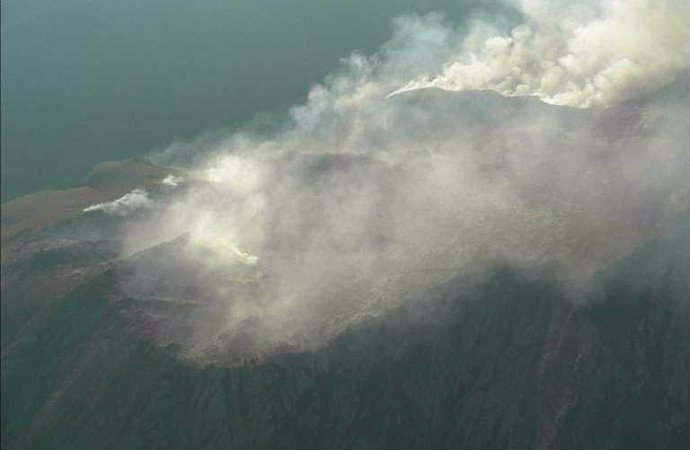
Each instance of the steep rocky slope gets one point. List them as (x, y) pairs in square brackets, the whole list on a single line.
[(94, 350), (504, 361)]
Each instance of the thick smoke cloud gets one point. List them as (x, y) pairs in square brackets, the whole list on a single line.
[(363, 200), (583, 55)]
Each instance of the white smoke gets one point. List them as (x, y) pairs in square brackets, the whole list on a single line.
[(171, 181), (125, 205), (582, 55), (361, 202)]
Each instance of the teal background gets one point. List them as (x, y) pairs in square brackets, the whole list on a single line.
[(88, 81)]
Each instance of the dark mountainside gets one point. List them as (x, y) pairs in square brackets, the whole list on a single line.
[(497, 360), (502, 361)]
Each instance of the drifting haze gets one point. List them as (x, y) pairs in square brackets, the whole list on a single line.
[(365, 199)]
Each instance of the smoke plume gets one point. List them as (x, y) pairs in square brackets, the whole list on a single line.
[(582, 55), (363, 200), (128, 203)]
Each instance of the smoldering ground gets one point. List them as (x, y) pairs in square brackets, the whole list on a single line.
[(364, 199)]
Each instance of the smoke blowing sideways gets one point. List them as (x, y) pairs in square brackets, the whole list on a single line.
[(577, 56), (420, 163)]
